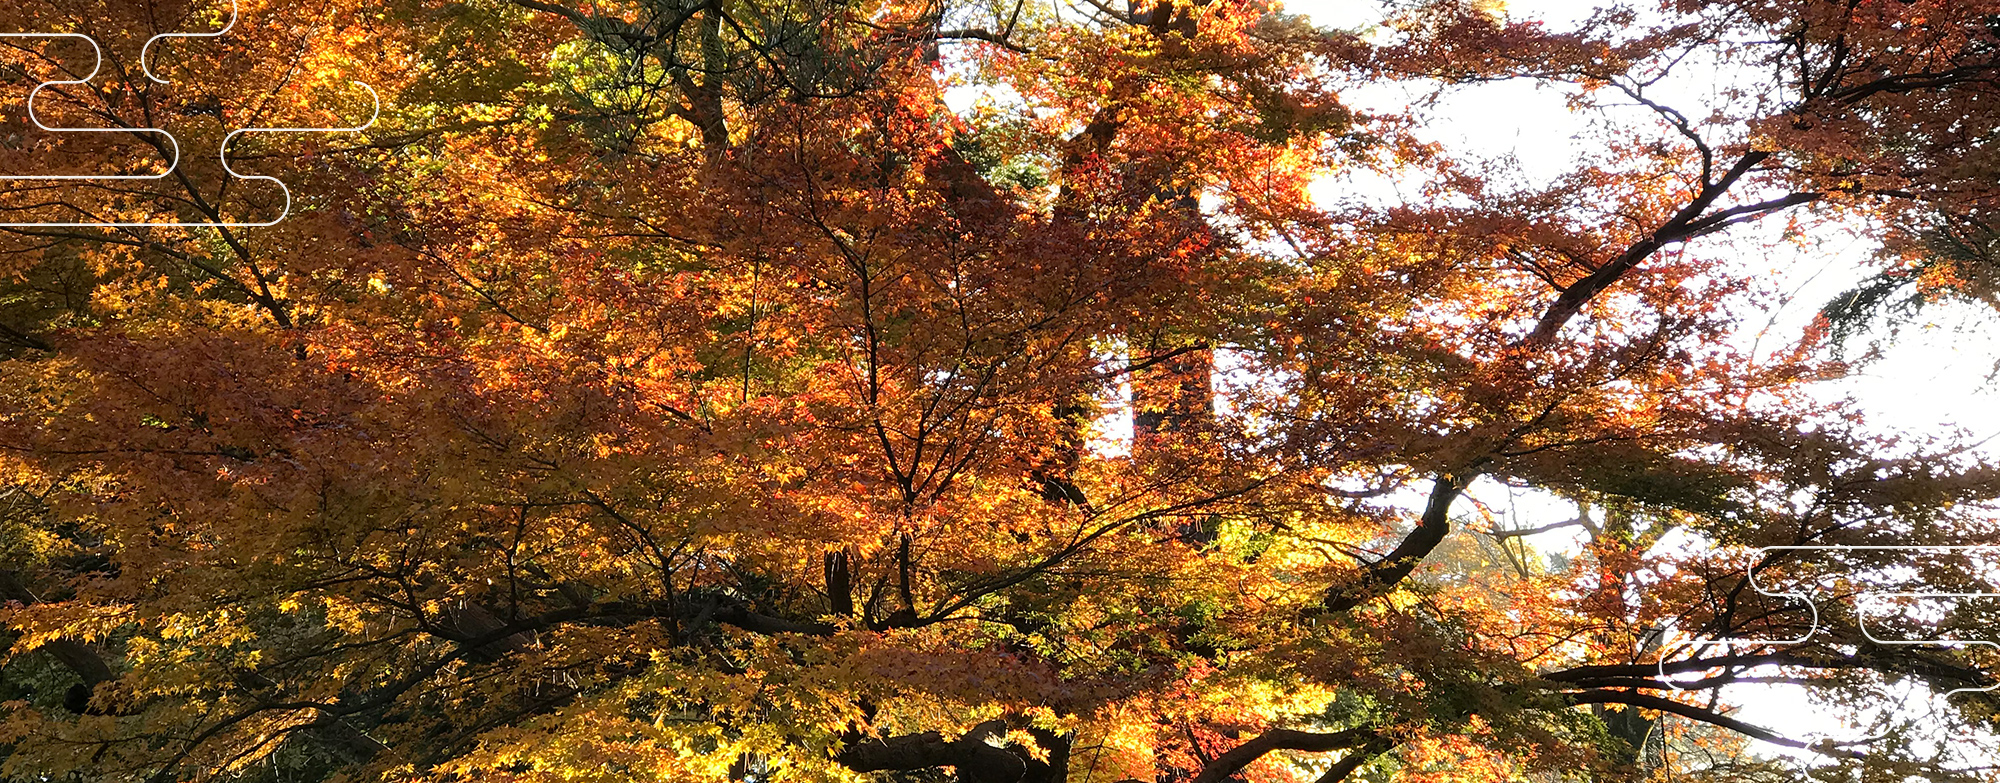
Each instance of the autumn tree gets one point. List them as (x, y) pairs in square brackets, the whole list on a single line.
[(660, 389)]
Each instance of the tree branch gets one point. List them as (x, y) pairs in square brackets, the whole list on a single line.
[(1383, 574), (1709, 717), (1682, 226), (974, 760), (1243, 755)]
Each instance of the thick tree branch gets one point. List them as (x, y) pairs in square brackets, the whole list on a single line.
[(1245, 754), (1355, 758), (1685, 224), (1001, 40), (1587, 673), (25, 339), (80, 658), (1709, 717), (974, 759), (575, 16), (1383, 574)]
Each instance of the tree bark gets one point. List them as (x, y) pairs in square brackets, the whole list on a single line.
[(1233, 761), (971, 758), (1386, 573)]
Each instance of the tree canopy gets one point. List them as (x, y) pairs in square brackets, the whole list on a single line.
[(685, 390)]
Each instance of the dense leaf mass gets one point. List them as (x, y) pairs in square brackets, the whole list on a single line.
[(685, 390)]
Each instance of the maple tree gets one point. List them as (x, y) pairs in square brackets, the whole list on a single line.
[(663, 389)]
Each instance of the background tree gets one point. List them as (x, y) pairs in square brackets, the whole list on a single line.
[(682, 390)]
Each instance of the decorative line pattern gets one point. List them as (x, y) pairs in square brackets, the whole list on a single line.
[(98, 53), (145, 63), (222, 153), (1863, 602)]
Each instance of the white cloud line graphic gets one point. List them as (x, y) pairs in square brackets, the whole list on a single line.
[(146, 65), (1861, 619), (222, 152), (98, 52), (1861, 600)]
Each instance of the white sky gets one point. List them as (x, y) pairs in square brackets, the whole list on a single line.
[(1933, 381)]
